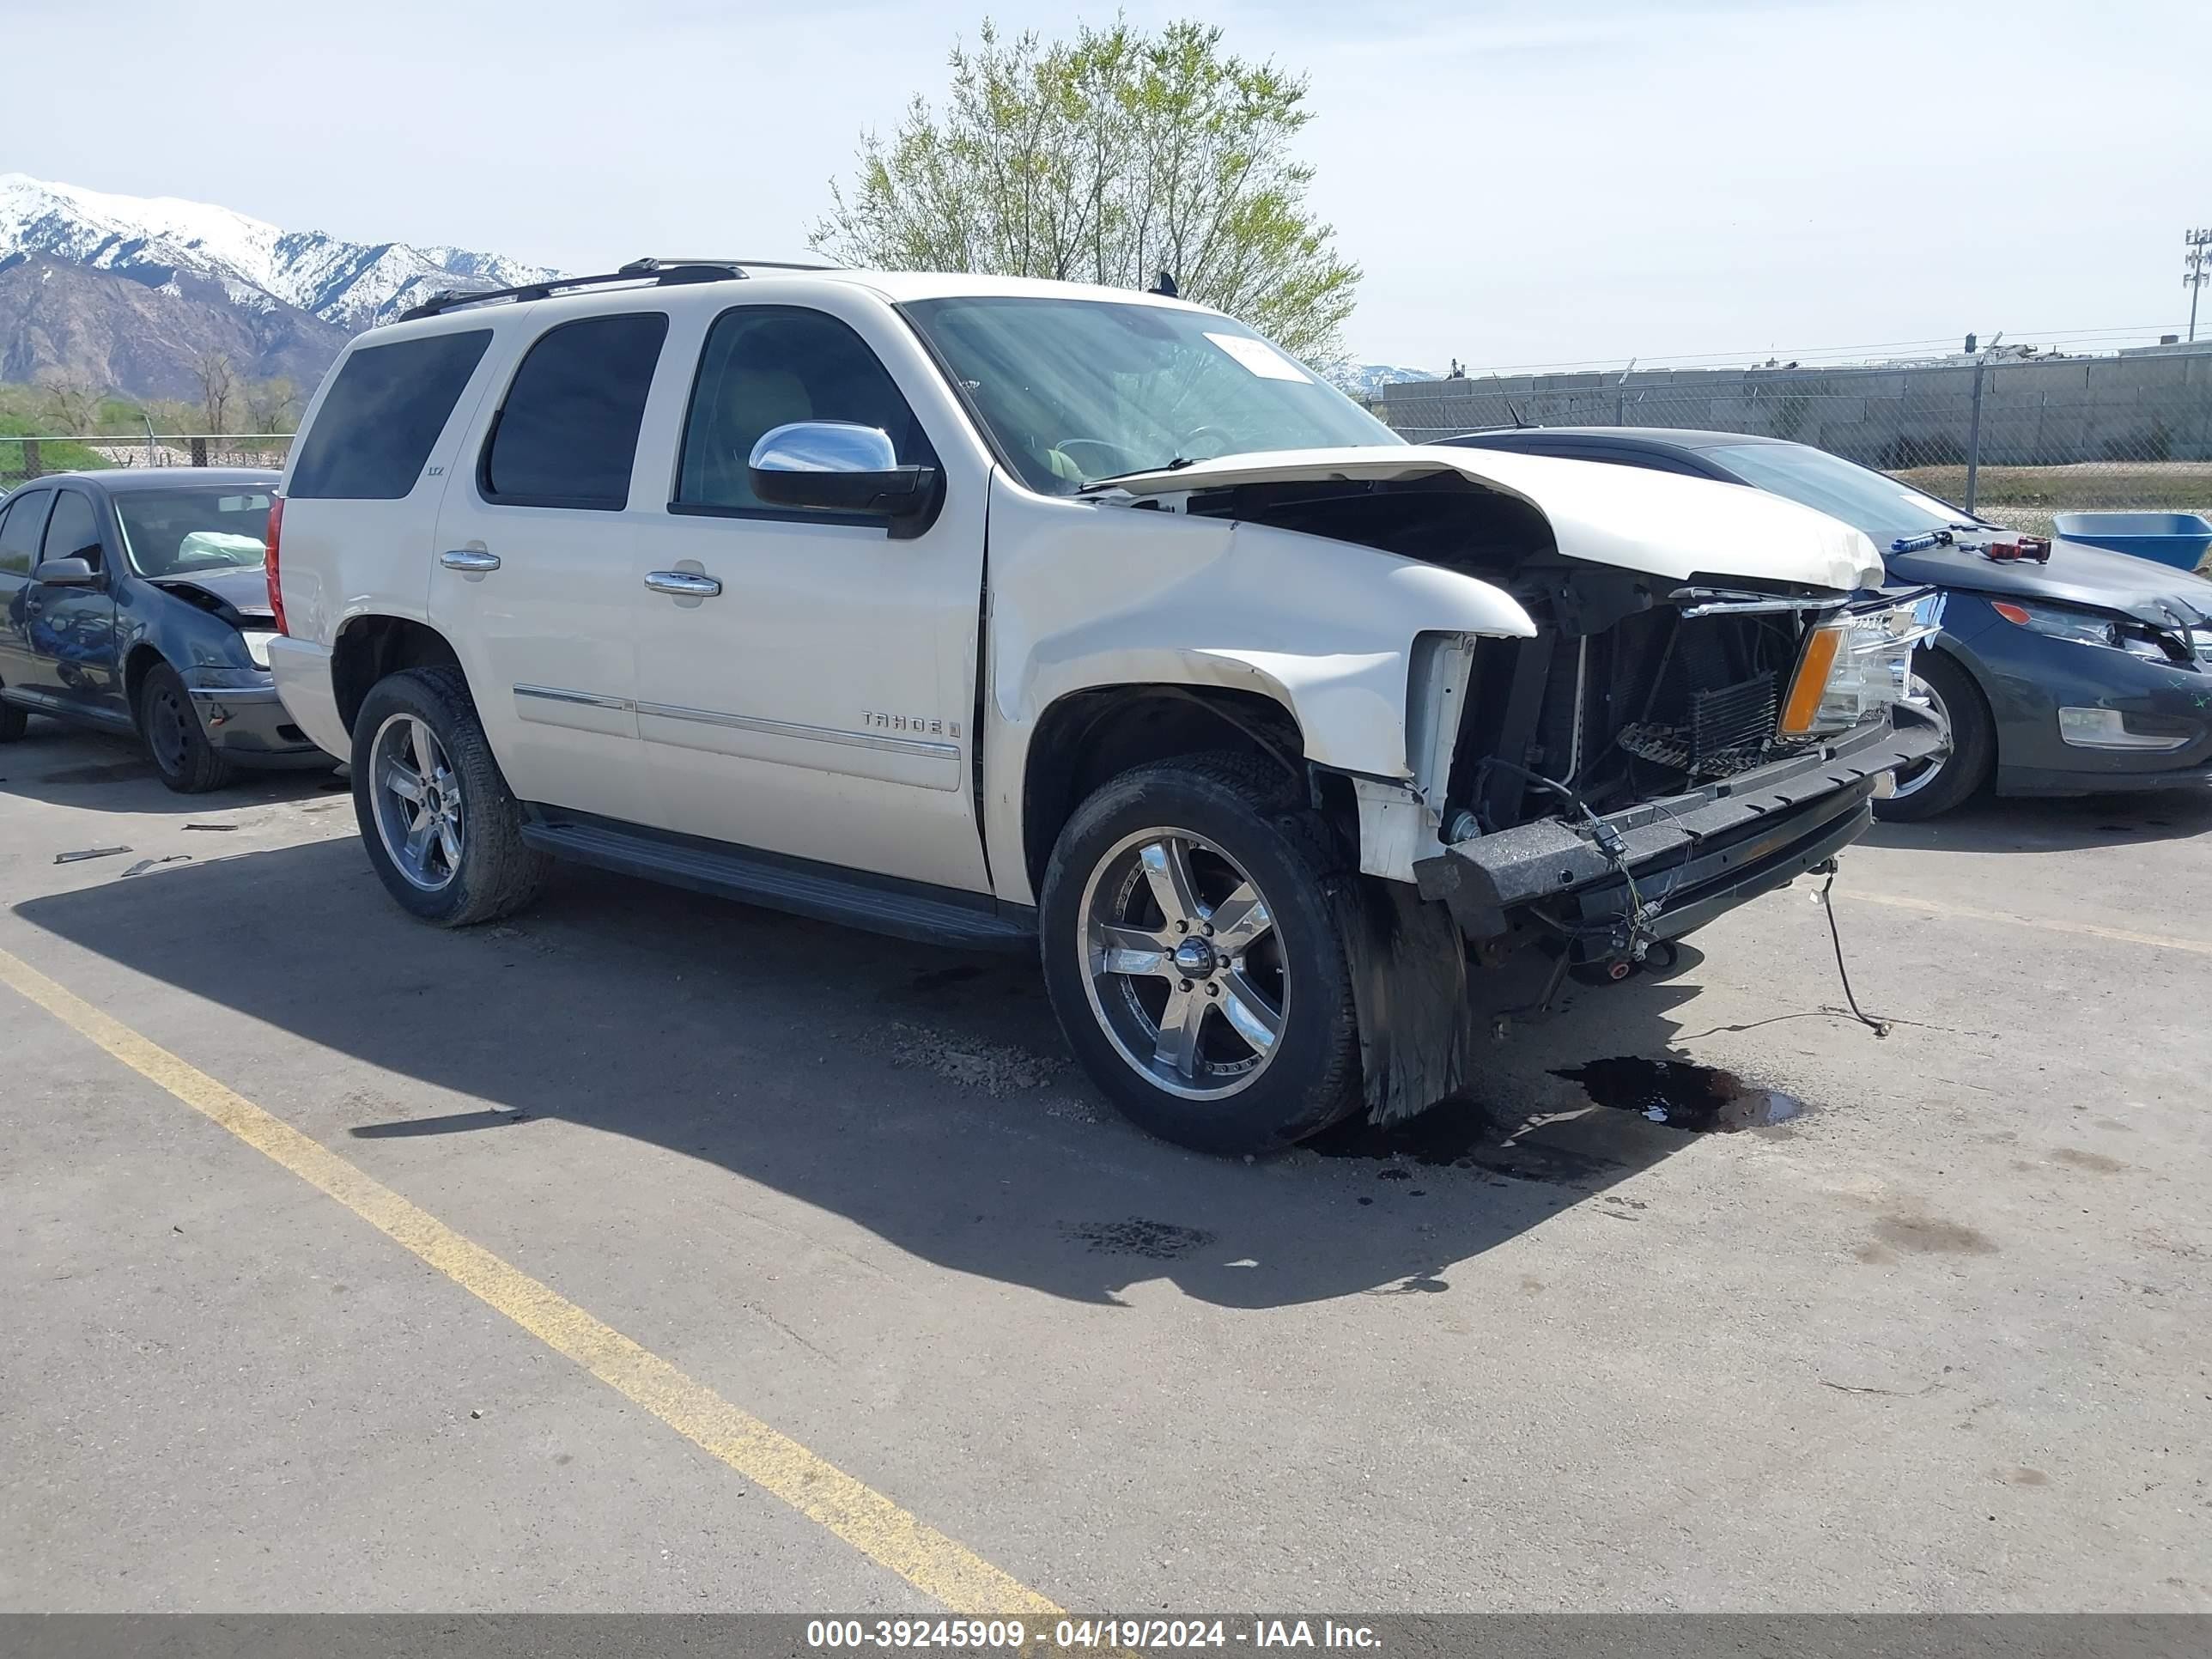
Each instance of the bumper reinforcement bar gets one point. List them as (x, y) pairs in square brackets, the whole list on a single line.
[(1692, 855)]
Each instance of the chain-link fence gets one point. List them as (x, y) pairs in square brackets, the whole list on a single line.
[(2018, 442), (22, 458)]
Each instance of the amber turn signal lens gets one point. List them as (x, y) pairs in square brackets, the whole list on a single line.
[(1810, 683), (2011, 613)]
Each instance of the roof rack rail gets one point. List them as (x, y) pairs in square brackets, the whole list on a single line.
[(663, 273), (738, 265)]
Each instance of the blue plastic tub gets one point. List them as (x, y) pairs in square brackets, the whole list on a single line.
[(2180, 539)]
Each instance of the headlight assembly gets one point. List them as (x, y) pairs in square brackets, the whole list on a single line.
[(2060, 622), (1857, 662)]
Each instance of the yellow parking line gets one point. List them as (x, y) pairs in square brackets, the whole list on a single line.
[(870, 1522), (2049, 924)]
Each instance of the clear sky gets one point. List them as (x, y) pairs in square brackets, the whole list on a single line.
[(1524, 181)]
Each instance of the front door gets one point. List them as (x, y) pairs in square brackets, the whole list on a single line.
[(821, 704), (72, 626), (536, 574), (23, 529)]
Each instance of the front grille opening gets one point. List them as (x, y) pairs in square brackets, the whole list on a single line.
[(1653, 706)]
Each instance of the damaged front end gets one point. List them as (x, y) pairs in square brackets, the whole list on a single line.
[(1613, 787), (1672, 766), (1709, 695)]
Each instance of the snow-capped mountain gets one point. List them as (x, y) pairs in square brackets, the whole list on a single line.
[(154, 240), (1366, 379)]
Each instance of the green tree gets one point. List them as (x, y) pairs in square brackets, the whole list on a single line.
[(1109, 158)]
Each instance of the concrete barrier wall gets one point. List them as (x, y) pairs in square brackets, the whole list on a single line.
[(2152, 408)]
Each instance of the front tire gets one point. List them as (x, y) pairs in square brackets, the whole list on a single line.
[(175, 741), (12, 722), (442, 828), (1193, 951), (1937, 785)]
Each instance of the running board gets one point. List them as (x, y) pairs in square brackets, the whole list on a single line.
[(931, 915)]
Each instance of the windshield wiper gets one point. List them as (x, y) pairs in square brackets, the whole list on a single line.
[(1174, 465)]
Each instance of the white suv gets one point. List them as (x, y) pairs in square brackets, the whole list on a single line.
[(992, 612)]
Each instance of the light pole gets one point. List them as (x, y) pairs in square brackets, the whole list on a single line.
[(2195, 268)]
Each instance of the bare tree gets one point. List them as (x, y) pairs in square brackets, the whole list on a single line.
[(171, 415), (272, 405), (219, 388), (71, 405)]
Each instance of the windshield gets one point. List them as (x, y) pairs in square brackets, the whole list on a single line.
[(1863, 498), (176, 532), (1075, 391)]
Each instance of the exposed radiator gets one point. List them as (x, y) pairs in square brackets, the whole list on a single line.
[(1728, 730)]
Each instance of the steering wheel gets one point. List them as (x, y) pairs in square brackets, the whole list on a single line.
[(1225, 444)]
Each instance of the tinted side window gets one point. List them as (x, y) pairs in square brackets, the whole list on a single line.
[(74, 530), (21, 529), (764, 366), (568, 433), (373, 435)]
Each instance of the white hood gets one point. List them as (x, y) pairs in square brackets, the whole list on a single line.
[(1623, 516)]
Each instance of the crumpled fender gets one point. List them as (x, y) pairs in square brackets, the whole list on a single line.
[(1086, 594)]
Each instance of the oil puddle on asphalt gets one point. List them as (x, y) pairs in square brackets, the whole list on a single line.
[(1156, 1241), (1459, 1134), (1449, 1133), (1681, 1095)]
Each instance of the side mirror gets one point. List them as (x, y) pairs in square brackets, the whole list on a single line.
[(66, 573), (839, 466)]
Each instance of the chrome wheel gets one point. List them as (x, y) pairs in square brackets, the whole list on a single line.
[(1911, 780), (1183, 965), (418, 799)]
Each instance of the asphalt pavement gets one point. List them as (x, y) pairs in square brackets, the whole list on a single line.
[(652, 1253)]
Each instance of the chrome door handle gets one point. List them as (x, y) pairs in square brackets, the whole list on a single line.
[(684, 584), (468, 558)]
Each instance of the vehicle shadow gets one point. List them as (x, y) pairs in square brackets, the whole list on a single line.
[(2061, 824), (924, 1095), (96, 771)]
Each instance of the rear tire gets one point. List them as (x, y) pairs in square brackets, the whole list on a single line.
[(442, 830), (175, 741), (1195, 954), (1949, 781)]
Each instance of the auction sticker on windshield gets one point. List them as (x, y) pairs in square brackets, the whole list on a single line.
[(1260, 357)]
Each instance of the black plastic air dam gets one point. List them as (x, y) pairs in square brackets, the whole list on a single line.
[(1685, 843)]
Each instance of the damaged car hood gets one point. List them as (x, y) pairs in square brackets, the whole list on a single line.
[(245, 591), (2077, 574), (1627, 518)]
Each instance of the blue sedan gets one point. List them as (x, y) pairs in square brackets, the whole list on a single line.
[(137, 601)]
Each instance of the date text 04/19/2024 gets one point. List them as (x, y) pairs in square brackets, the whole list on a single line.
[(1142, 1633), (1088, 1635)]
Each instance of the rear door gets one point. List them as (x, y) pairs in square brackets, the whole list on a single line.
[(72, 628), (23, 528), (535, 580)]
